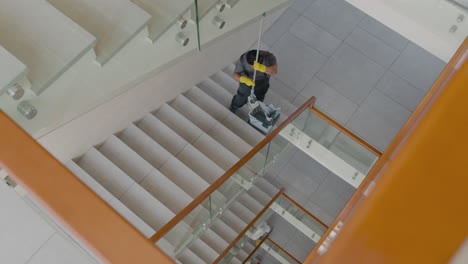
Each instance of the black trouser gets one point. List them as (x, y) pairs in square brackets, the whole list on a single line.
[(243, 93)]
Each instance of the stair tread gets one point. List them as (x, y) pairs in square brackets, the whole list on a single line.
[(147, 207), (162, 134), (125, 158), (178, 123), (207, 103), (194, 113), (145, 146), (188, 257), (200, 164), (215, 151), (230, 140), (11, 69), (34, 41), (125, 212), (204, 251), (105, 172), (163, 13), (113, 22)]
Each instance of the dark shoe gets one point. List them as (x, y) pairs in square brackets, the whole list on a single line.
[(233, 110)]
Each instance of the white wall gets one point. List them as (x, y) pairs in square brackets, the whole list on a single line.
[(424, 22), (77, 136)]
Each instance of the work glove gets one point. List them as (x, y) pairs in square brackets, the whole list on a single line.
[(259, 67), (247, 81)]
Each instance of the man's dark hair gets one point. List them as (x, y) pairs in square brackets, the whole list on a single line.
[(251, 55)]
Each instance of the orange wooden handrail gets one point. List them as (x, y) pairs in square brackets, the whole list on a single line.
[(255, 249), (228, 174), (454, 76), (304, 210), (283, 250), (241, 234), (345, 131), (77, 207)]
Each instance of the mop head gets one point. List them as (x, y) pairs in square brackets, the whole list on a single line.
[(262, 116)]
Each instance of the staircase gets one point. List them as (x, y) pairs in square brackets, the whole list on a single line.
[(156, 166)]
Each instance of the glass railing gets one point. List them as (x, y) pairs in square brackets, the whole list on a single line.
[(199, 215), (169, 32), (273, 249)]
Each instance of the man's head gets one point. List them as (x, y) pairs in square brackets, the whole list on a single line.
[(251, 55)]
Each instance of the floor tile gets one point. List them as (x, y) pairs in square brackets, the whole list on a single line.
[(400, 91), (281, 89), (315, 36), (335, 184), (417, 66), (300, 100), (351, 73), (300, 246), (282, 230), (301, 5), (378, 119), (297, 61), (59, 250), (299, 179), (331, 203), (329, 100), (384, 33), (22, 230), (281, 26), (308, 166), (372, 47), (263, 46), (319, 212), (335, 16)]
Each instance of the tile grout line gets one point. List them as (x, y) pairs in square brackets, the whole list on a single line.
[(42, 246)]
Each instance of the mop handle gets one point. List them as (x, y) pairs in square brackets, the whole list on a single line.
[(258, 51)]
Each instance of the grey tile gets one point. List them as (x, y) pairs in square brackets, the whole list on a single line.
[(298, 179), (281, 26), (301, 5), (351, 73), (372, 47), (329, 201), (418, 67), (378, 119), (315, 36), (384, 33), (400, 91), (335, 16), (282, 90), (319, 212), (329, 100), (335, 184), (263, 46), (308, 166), (297, 61), (282, 230), (300, 100), (300, 246)]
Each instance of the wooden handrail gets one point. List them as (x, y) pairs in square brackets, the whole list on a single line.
[(255, 249), (345, 131), (304, 210), (241, 234), (89, 218), (399, 140), (228, 174), (284, 251)]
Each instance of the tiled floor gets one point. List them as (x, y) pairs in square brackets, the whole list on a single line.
[(359, 70), (364, 75)]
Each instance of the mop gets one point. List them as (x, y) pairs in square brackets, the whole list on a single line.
[(261, 116)]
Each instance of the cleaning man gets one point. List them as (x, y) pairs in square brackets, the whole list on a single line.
[(244, 71)]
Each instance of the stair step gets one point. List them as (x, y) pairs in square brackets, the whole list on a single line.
[(145, 146), (215, 151), (105, 172), (229, 140), (266, 187), (200, 164), (194, 113), (222, 96), (259, 195), (147, 207), (113, 22), (184, 177), (178, 123), (204, 251), (243, 129), (125, 158), (188, 257), (164, 14), (235, 261), (241, 210), (162, 134), (11, 70), (47, 42), (253, 205), (126, 213), (214, 241), (207, 103)]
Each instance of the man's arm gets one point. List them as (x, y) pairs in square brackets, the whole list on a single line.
[(236, 76)]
